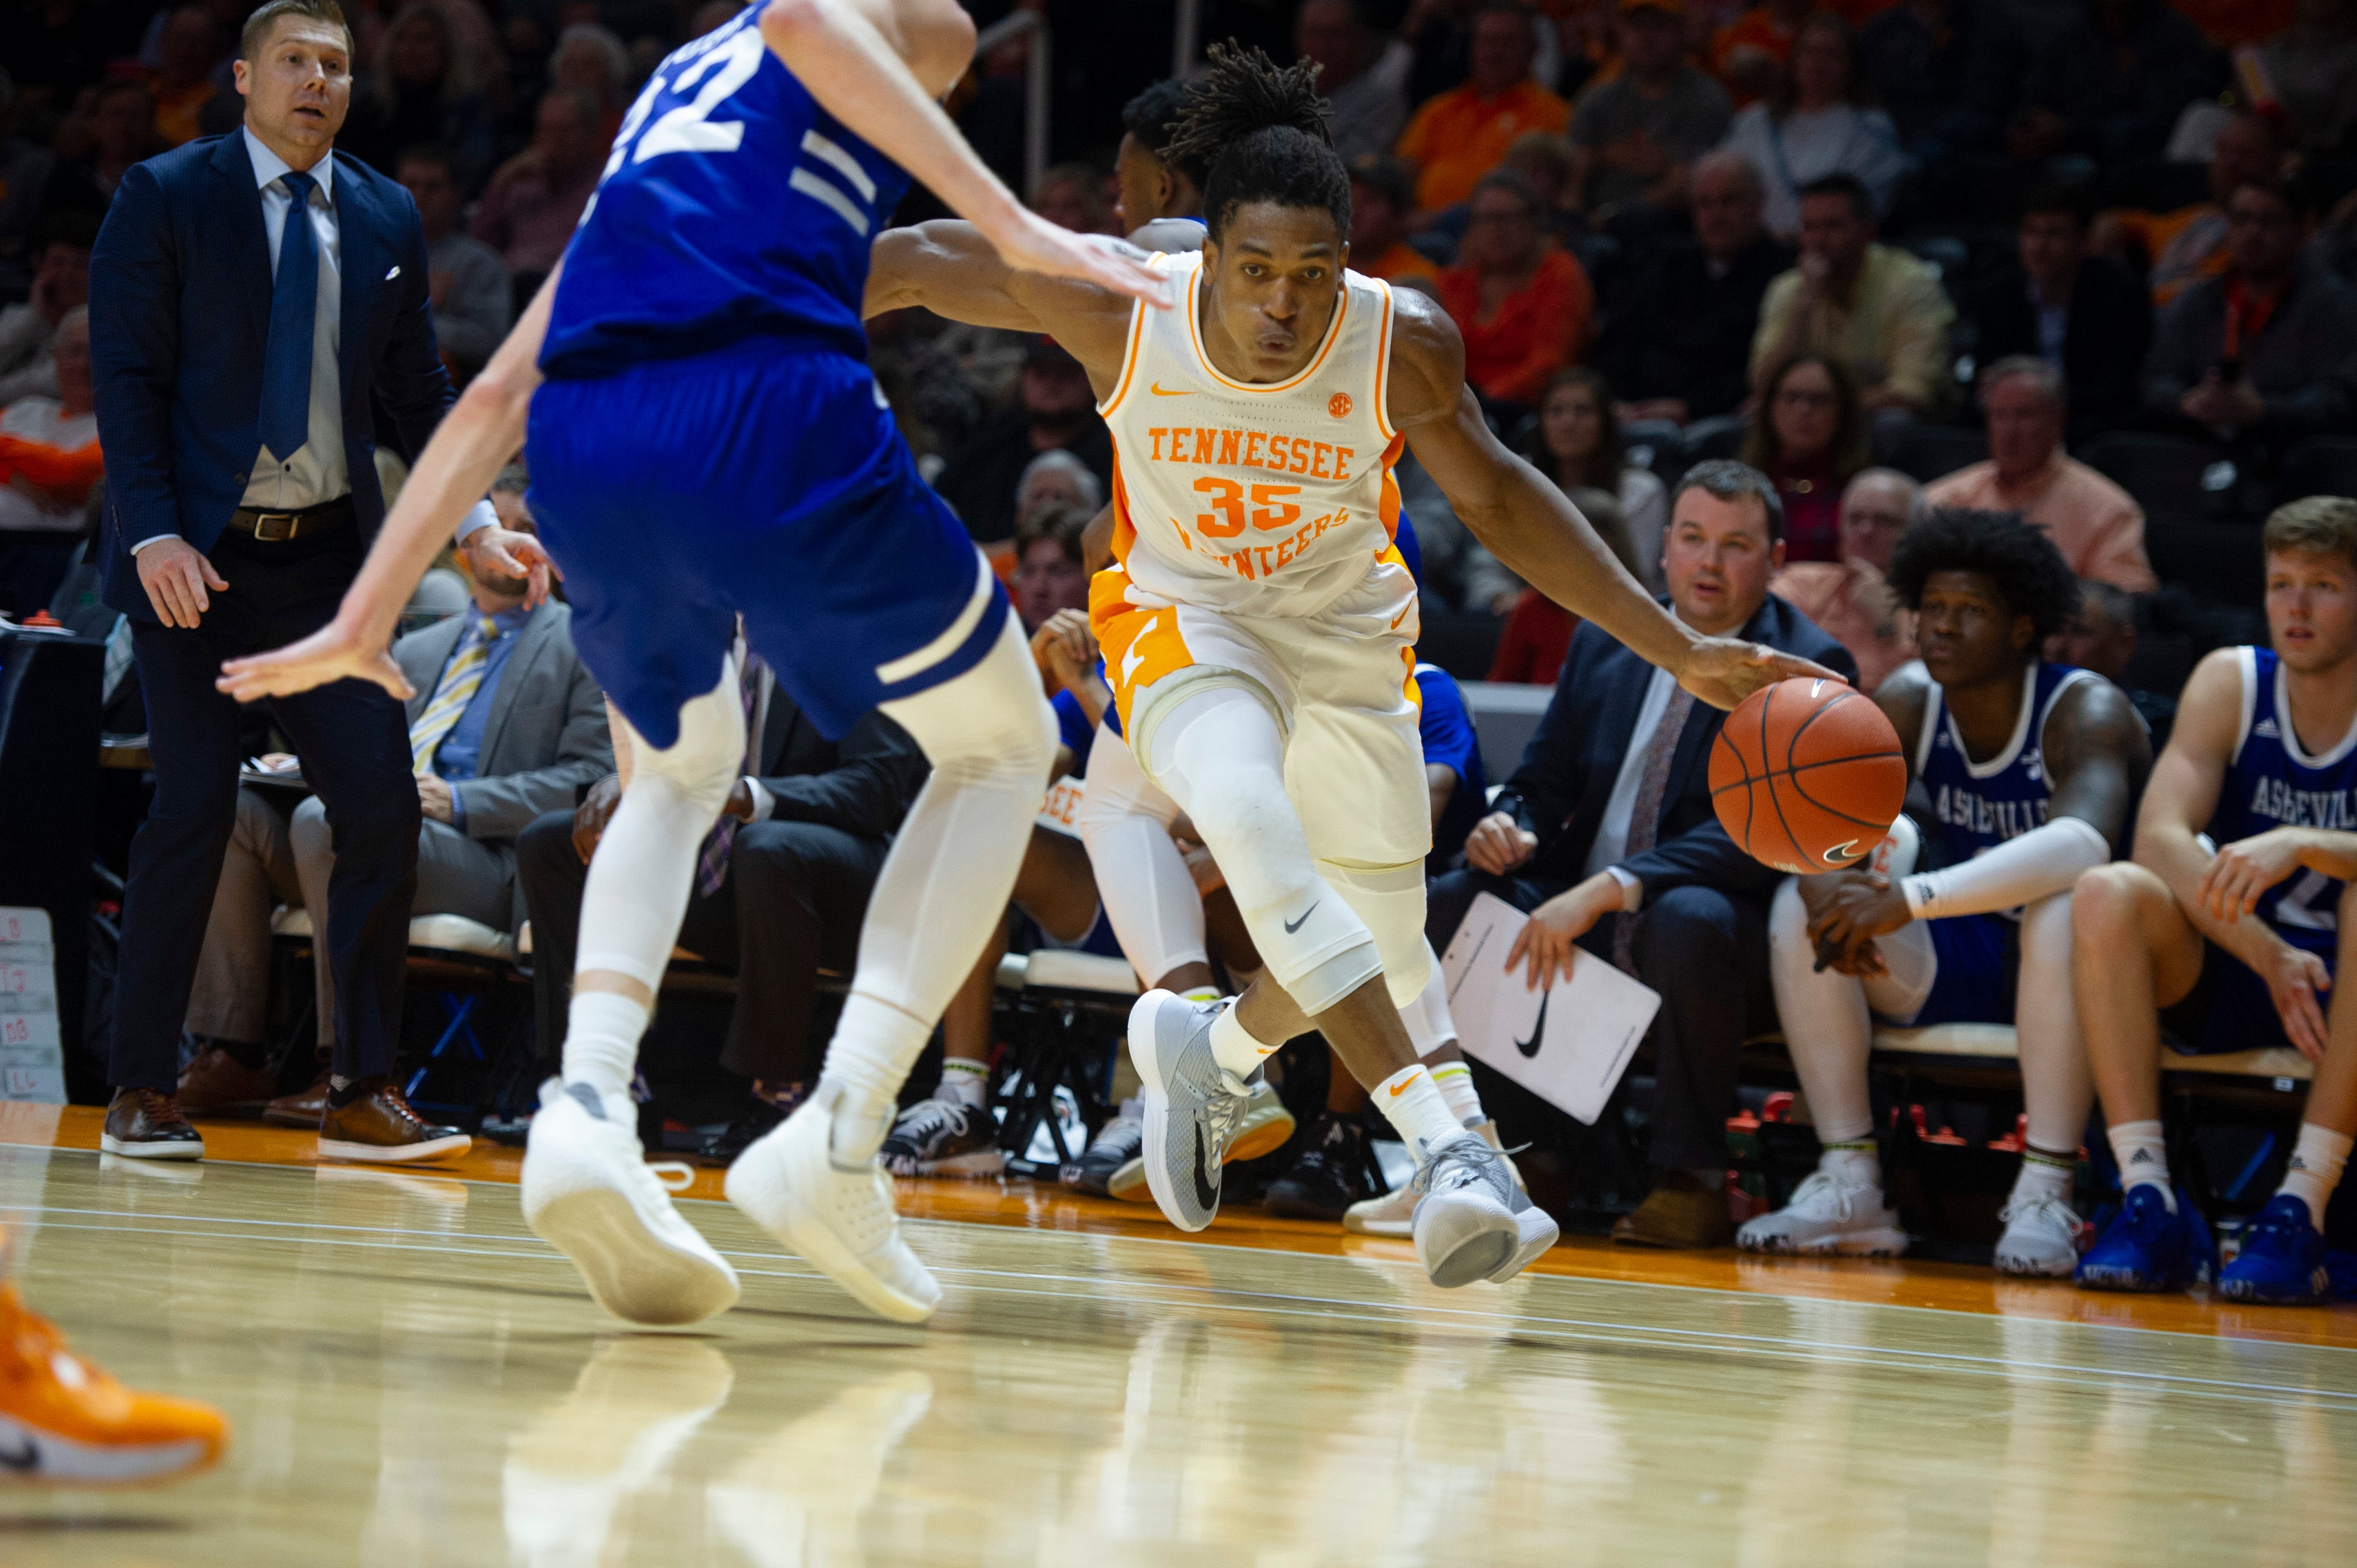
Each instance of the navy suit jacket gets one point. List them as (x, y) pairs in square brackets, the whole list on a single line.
[(1574, 759), (180, 311)]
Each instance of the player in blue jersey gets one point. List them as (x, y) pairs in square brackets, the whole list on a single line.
[(707, 444), (2030, 768), (2237, 913)]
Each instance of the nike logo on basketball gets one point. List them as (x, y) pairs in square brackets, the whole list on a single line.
[(1843, 852), (26, 1459), (1207, 1191), (1293, 925), (1530, 1048), (1158, 390)]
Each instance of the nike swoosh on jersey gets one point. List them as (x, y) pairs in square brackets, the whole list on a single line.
[(1158, 390)]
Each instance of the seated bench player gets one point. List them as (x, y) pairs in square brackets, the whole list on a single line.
[(2030, 768), (2236, 912)]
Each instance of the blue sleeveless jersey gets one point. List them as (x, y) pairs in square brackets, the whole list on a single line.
[(732, 206), (1980, 805), (2272, 782)]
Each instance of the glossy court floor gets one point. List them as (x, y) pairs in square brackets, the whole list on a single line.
[(416, 1379)]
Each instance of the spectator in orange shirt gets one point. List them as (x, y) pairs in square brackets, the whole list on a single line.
[(191, 45), (49, 462), (2188, 246), (1749, 51), (1521, 304), (1382, 195), (1464, 132)]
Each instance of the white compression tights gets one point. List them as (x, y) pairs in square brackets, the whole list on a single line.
[(990, 738), (1148, 894), (1828, 1019), (1323, 929)]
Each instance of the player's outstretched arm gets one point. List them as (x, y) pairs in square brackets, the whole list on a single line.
[(1533, 528), (856, 58), (475, 439), (949, 268)]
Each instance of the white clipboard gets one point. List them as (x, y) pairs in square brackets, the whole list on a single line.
[(1568, 1043)]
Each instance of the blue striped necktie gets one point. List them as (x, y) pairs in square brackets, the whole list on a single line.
[(285, 421)]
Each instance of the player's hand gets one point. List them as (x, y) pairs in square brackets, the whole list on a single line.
[(1549, 941), (1498, 844), (1723, 671), (176, 575), (338, 650), (590, 817), (503, 552), (1031, 242), (1065, 649), (2294, 977), (434, 798), (2239, 874)]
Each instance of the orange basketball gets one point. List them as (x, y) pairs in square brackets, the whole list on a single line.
[(1807, 776)]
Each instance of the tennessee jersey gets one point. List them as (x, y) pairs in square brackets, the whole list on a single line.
[(1270, 498), (2273, 783), (732, 208)]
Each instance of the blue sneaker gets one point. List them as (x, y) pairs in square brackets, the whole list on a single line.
[(2341, 1264), (2147, 1248), (2282, 1260)]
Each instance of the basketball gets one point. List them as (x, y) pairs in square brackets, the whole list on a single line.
[(1807, 776)]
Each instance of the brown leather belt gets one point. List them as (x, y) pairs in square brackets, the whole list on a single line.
[(272, 526)]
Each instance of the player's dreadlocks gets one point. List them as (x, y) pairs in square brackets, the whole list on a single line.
[(1153, 118), (1262, 129), (2030, 573)]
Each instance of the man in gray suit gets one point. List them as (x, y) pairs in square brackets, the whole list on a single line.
[(506, 725)]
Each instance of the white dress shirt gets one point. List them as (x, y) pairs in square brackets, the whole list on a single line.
[(317, 472), (1621, 807)]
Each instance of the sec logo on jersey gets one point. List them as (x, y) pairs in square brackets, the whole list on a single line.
[(1338, 406)]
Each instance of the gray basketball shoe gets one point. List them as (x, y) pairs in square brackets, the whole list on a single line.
[(1473, 1220), (1192, 1106)]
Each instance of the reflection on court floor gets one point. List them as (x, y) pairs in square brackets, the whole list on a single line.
[(417, 1379)]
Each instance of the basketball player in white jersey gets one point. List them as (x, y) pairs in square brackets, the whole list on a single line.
[(1260, 629)]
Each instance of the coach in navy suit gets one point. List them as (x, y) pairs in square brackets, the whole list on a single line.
[(1606, 832), (259, 322)]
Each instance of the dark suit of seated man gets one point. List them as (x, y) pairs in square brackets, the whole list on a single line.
[(506, 724), (782, 901), (1607, 834)]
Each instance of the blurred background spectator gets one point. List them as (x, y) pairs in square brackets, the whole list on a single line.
[(2178, 248), (1522, 302), (1577, 443), (96, 147), (1381, 197), (1057, 408), (1815, 124), (536, 200), (1048, 574), (60, 258), (1463, 133), (1808, 436), (2078, 313), (1878, 310), (1849, 599), (1677, 343), (1636, 135), (473, 296), (1074, 195), (424, 91), (1944, 72), (49, 463), (1364, 82), (2112, 83)]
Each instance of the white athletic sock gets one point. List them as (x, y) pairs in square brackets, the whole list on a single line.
[(2044, 1174), (2315, 1170), (1455, 1082), (601, 1047), (875, 1045), (1233, 1047), (1853, 1162), (965, 1080), (2143, 1156), (1413, 1103)]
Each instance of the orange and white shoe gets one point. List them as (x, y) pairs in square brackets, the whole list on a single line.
[(64, 1421)]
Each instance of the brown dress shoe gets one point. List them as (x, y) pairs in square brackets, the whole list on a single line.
[(1680, 1212), (218, 1084), (303, 1108), (377, 1124), (146, 1125)]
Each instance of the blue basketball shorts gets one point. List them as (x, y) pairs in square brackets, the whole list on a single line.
[(765, 481), (1979, 960), (2230, 1008)]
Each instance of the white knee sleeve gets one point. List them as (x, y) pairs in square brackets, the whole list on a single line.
[(1429, 1026), (1390, 900), (640, 878), (1149, 893), (1219, 754)]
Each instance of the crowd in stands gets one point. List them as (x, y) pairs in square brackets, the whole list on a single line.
[(2079, 267)]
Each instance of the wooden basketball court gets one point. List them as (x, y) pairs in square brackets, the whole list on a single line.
[(416, 1379)]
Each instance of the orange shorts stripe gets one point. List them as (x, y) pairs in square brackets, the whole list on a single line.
[(1140, 646)]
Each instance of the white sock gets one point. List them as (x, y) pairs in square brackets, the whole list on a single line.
[(601, 1047), (2044, 1175), (2143, 1156), (875, 1045), (2315, 1170), (1853, 1162), (1412, 1104), (965, 1080), (1455, 1082), (1233, 1046)]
